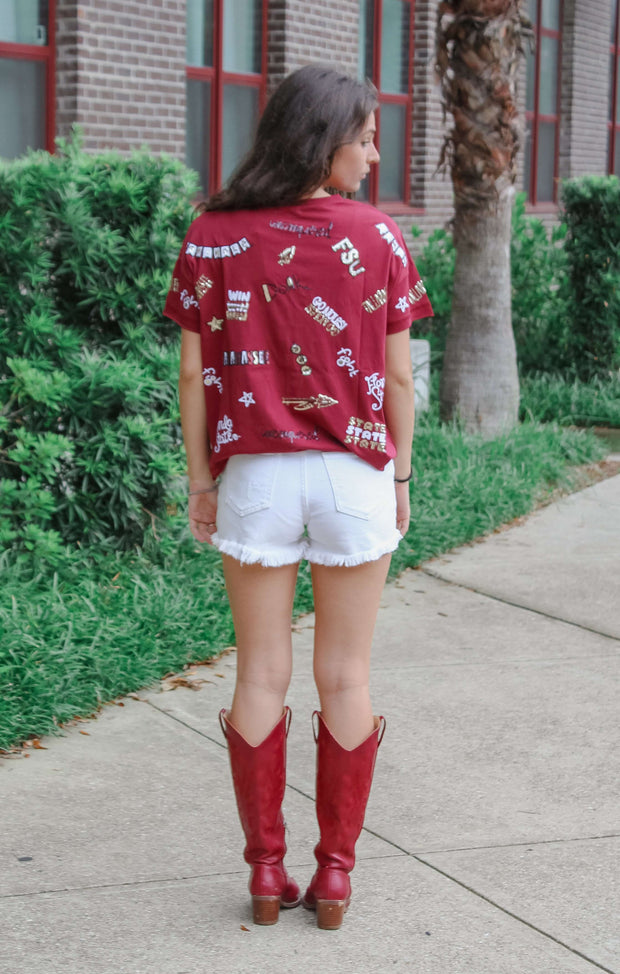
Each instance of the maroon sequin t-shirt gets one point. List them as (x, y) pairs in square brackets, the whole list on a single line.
[(293, 306)]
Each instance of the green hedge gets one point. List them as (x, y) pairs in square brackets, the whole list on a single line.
[(592, 205), (539, 291), (89, 432), (565, 284)]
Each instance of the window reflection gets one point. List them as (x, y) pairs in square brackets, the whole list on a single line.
[(242, 36), (240, 115)]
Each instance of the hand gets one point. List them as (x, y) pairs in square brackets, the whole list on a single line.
[(202, 516), (403, 507)]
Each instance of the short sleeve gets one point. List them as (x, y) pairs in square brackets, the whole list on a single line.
[(182, 301), (407, 297)]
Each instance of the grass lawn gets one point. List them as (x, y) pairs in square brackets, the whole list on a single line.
[(553, 398), (99, 624)]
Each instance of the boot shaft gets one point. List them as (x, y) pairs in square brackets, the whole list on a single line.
[(259, 779), (343, 783)]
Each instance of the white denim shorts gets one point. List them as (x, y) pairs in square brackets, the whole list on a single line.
[(330, 508)]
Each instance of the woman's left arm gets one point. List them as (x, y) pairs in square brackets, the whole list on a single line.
[(202, 506), (398, 405)]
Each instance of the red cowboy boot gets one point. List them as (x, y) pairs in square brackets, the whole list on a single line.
[(343, 783), (259, 778)]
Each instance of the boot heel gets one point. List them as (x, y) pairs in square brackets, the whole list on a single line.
[(265, 910), (330, 914)]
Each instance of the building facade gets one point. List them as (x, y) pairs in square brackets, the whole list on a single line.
[(190, 77)]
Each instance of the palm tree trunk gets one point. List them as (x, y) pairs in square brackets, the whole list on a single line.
[(479, 50), (480, 382)]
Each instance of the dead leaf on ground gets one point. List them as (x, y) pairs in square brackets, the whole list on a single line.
[(214, 660), (186, 680), (245, 928)]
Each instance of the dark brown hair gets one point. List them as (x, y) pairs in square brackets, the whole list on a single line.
[(312, 112)]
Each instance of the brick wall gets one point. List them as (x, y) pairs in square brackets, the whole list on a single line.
[(121, 73), (585, 87), (121, 76), (319, 31)]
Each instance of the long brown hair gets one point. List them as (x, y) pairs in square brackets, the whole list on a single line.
[(312, 112)]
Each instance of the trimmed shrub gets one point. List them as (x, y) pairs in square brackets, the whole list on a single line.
[(89, 430), (592, 205), (435, 262), (539, 291), (540, 295)]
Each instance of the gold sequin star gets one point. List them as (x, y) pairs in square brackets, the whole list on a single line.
[(216, 323)]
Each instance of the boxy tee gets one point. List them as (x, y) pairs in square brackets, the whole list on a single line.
[(293, 306)]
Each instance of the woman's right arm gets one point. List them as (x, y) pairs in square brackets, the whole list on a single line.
[(202, 506), (398, 405)]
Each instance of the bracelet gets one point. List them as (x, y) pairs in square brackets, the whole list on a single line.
[(205, 490), (404, 480)]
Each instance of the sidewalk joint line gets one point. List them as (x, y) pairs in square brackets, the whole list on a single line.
[(195, 730), (526, 923), (512, 660), (127, 885), (516, 845), (518, 605)]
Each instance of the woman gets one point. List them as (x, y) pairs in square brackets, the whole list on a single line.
[(297, 413)]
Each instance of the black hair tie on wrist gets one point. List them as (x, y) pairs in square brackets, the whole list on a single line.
[(403, 480)]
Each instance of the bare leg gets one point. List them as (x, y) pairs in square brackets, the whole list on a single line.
[(261, 600), (346, 602)]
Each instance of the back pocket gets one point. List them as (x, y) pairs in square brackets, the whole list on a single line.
[(248, 481), (358, 488)]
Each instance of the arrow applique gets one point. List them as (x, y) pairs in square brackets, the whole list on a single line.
[(311, 402)]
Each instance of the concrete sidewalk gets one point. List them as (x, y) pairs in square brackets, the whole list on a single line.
[(492, 839)]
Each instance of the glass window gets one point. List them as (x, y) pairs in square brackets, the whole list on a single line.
[(395, 47), (365, 54), (239, 118), (226, 41), (392, 171), (389, 20), (23, 21), (542, 102), (26, 82), (548, 95), (545, 171), (530, 82), (550, 19), (199, 36), (22, 106), (242, 36), (198, 144)]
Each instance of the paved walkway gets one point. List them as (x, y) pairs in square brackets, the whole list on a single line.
[(492, 840)]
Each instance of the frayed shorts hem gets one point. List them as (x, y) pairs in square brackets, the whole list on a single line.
[(272, 558), (278, 557)]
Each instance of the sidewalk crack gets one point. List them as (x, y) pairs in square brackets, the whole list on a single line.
[(519, 605), (514, 916)]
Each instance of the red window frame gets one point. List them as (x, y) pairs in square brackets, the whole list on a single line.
[(613, 125), (218, 78), (45, 53), (535, 117), (386, 98)]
